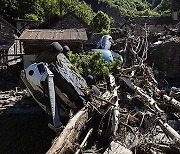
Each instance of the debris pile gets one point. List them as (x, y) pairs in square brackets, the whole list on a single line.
[(130, 113)]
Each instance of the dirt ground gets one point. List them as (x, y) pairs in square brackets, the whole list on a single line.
[(26, 134), (22, 133)]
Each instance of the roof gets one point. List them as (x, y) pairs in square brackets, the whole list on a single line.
[(8, 24), (56, 18), (55, 35)]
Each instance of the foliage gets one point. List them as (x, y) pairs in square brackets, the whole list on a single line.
[(163, 6), (131, 7), (93, 64), (43, 9), (80, 8), (166, 13), (166, 5), (38, 9), (100, 21), (105, 32), (149, 12), (31, 16)]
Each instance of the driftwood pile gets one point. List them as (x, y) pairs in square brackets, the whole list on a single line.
[(131, 114)]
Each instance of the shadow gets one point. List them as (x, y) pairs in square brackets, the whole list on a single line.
[(25, 133), (23, 124)]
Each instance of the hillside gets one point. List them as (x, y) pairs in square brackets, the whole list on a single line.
[(86, 10), (128, 7)]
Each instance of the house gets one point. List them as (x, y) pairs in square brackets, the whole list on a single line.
[(153, 24), (68, 21), (8, 45), (67, 30), (36, 40)]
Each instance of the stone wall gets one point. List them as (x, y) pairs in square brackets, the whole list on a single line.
[(7, 34), (8, 44)]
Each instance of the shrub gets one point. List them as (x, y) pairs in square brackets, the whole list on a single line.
[(93, 64)]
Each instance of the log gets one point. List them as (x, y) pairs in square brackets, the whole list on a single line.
[(68, 137), (169, 100), (129, 70), (172, 102), (151, 102), (84, 141), (168, 130), (116, 113)]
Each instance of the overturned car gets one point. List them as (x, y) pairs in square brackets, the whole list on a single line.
[(54, 85)]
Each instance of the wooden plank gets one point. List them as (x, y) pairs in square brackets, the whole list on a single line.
[(58, 35), (66, 35), (74, 35), (25, 34), (48, 35), (82, 34), (33, 35)]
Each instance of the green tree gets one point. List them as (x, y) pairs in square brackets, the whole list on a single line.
[(35, 9), (79, 8), (101, 21)]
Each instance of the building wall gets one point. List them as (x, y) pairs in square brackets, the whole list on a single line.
[(8, 45), (7, 34)]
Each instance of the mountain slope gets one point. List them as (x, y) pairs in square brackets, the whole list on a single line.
[(125, 7)]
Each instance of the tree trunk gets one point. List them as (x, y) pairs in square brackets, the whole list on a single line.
[(68, 137)]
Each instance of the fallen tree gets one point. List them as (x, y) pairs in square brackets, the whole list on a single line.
[(70, 134)]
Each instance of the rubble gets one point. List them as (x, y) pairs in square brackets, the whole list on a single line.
[(128, 112), (133, 110)]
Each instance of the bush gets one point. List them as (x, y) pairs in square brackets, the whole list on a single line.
[(93, 64), (100, 21)]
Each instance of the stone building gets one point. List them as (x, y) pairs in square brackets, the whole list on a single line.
[(8, 45), (68, 21), (153, 24)]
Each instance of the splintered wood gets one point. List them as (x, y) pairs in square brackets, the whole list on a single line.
[(132, 113)]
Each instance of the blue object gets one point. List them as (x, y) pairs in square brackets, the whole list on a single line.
[(107, 56)]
